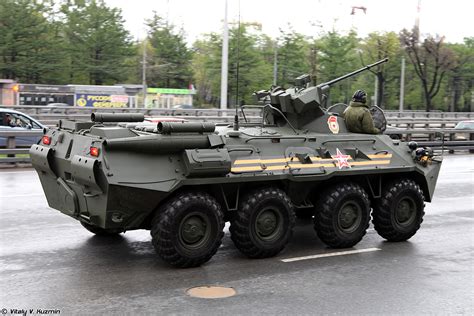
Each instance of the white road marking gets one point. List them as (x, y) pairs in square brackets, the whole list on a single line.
[(332, 254), (19, 195), (16, 172)]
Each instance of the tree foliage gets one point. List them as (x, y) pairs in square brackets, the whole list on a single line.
[(431, 60), (461, 76), (30, 44), (337, 56), (98, 44), (248, 55), (170, 62), (86, 42), (377, 46), (292, 58)]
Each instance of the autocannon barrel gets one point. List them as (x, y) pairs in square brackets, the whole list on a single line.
[(117, 117), (329, 83), (186, 127), (158, 143)]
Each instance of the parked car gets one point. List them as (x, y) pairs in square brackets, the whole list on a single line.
[(12, 120), (463, 125)]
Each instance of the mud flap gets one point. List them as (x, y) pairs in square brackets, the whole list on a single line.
[(68, 199), (40, 156), (82, 170)]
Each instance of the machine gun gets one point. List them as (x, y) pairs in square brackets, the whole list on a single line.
[(323, 88), (303, 103)]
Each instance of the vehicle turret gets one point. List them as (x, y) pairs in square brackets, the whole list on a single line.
[(304, 105)]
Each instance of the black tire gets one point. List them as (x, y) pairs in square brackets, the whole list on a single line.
[(342, 215), (398, 214), (264, 223), (187, 230), (100, 231)]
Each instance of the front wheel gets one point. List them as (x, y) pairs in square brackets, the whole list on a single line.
[(398, 214), (188, 229), (342, 215)]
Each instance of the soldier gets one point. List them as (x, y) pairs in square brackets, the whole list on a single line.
[(357, 115)]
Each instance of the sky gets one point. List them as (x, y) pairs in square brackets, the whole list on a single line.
[(452, 19)]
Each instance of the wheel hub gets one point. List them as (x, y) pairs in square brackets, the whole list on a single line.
[(405, 211), (266, 223), (193, 229), (349, 217)]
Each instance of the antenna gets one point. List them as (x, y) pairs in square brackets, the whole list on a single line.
[(236, 117)]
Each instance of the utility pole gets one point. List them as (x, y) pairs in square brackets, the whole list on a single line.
[(402, 85), (376, 90), (417, 20), (224, 66), (144, 73), (275, 65)]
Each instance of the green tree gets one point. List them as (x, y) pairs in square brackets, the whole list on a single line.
[(206, 69), (30, 44), (247, 59), (170, 65), (461, 76), (337, 56), (98, 43), (431, 60), (252, 62), (293, 50)]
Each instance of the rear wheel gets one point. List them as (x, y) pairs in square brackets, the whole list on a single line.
[(398, 214), (264, 223), (342, 215), (100, 231), (188, 229)]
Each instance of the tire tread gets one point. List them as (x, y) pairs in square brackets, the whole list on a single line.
[(324, 216), (162, 229)]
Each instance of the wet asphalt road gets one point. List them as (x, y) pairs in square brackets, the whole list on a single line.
[(48, 261)]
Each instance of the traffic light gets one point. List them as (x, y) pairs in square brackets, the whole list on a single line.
[(16, 88)]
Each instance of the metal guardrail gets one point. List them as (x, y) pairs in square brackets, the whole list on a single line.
[(11, 151), (433, 114), (86, 111), (407, 119), (41, 109), (447, 137), (424, 137), (50, 115)]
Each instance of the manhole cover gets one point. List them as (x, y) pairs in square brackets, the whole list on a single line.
[(211, 292)]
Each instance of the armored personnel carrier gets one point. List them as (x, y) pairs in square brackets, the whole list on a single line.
[(184, 180)]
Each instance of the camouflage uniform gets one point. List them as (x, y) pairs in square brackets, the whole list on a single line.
[(358, 119)]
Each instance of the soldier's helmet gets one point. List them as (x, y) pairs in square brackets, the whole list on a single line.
[(359, 96)]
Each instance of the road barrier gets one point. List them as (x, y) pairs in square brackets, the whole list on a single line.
[(424, 137), (12, 153), (407, 119)]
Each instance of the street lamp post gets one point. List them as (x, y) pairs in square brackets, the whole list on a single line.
[(144, 73), (402, 85), (225, 53)]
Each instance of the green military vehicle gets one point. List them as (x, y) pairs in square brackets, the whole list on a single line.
[(184, 180)]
